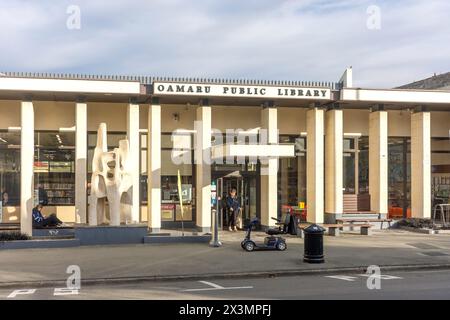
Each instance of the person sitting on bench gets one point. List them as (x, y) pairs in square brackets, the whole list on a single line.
[(40, 221)]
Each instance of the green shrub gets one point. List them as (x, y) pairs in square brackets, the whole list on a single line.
[(416, 223), (13, 235)]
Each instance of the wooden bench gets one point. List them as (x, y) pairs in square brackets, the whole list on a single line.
[(333, 229), (364, 228), (352, 221)]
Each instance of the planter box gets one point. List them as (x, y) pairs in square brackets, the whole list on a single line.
[(100, 235), (53, 232)]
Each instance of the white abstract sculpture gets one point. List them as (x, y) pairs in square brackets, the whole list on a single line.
[(111, 179)]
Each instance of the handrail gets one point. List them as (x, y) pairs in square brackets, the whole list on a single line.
[(148, 80)]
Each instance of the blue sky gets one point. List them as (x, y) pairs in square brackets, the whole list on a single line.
[(256, 39)]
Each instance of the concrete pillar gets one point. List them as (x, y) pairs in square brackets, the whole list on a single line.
[(80, 162), (154, 166), (334, 163), (269, 168), (134, 143), (420, 165), (26, 167), (315, 165), (203, 167), (378, 161)]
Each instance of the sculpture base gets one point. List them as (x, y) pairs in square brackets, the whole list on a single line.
[(55, 232), (99, 235)]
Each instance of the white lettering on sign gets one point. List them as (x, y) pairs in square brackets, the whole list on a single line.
[(216, 90)]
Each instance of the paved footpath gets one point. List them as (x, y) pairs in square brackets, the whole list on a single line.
[(126, 263)]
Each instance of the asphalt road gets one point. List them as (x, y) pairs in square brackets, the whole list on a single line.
[(431, 284)]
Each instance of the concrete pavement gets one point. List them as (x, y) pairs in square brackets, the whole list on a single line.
[(46, 267)]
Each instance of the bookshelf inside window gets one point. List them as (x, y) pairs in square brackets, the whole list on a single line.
[(56, 180)]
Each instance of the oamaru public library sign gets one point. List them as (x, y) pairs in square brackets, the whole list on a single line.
[(249, 91)]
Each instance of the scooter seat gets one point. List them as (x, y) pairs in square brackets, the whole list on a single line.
[(272, 232)]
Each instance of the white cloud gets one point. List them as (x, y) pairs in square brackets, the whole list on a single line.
[(293, 40)]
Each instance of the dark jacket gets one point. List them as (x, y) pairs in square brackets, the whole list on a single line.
[(37, 216), (233, 203)]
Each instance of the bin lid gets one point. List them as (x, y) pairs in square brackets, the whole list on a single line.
[(314, 228)]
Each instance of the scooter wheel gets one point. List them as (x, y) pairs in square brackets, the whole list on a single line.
[(249, 246), (281, 246)]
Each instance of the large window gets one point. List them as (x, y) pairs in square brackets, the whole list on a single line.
[(54, 168), (10, 169), (177, 155), (349, 154), (440, 169), (292, 174), (363, 165), (355, 164)]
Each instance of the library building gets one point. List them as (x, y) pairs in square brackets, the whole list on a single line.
[(322, 149)]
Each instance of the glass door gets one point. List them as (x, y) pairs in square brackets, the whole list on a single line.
[(249, 199), (399, 176), (243, 178)]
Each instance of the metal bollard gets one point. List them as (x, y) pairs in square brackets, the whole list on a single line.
[(215, 232)]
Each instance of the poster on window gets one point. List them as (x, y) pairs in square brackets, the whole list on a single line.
[(60, 166), (167, 212), (40, 166), (187, 213), (186, 192)]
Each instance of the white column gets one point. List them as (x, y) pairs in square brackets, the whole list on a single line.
[(134, 143), (203, 167), (315, 165), (334, 162), (26, 167), (80, 161), (269, 168), (378, 161), (420, 165), (154, 167)]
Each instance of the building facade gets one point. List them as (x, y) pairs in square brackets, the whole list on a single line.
[(325, 149)]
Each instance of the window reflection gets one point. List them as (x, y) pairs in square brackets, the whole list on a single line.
[(292, 174), (54, 168), (9, 170), (177, 154)]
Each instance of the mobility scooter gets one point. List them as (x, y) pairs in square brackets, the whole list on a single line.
[(270, 243)]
